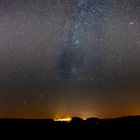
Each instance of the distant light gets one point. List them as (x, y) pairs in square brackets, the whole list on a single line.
[(63, 119)]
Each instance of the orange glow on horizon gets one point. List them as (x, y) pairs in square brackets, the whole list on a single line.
[(63, 119)]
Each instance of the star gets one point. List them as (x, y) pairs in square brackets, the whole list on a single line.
[(77, 41), (131, 23), (24, 102), (42, 95)]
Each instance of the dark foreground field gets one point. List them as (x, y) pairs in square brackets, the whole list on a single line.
[(76, 129), (130, 122)]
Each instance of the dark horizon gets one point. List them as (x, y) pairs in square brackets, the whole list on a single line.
[(69, 119), (47, 125)]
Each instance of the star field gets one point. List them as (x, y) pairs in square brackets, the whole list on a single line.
[(69, 58)]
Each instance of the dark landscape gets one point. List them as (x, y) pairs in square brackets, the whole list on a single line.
[(128, 122)]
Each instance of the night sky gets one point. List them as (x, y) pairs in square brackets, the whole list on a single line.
[(61, 58)]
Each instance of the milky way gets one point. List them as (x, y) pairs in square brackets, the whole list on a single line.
[(69, 58)]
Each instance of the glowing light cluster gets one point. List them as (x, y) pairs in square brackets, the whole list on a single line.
[(63, 119)]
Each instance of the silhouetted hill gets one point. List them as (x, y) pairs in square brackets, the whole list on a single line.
[(76, 122), (91, 127)]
